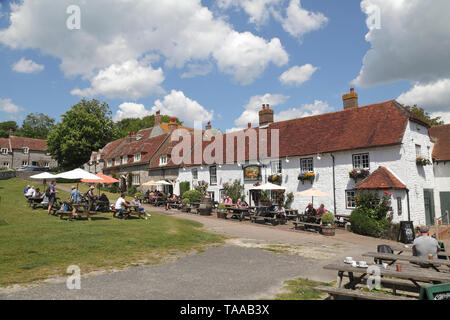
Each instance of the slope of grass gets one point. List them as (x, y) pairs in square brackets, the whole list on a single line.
[(36, 246)]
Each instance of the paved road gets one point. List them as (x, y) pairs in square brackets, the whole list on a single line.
[(252, 265)]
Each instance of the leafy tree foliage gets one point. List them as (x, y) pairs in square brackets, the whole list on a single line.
[(37, 125), (135, 124), (425, 116), (6, 126), (86, 127)]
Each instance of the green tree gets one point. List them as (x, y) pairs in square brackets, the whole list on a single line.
[(86, 127), (37, 125), (6, 126), (135, 124), (424, 116)]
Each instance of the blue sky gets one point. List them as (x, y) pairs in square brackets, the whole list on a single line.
[(136, 58)]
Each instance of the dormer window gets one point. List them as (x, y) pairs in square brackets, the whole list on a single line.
[(138, 137), (26, 150), (163, 160), (109, 163), (98, 157), (117, 161), (137, 157), (4, 150), (124, 159)]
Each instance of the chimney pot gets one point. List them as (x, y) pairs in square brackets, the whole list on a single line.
[(157, 118), (265, 115), (350, 100), (208, 126), (249, 125)]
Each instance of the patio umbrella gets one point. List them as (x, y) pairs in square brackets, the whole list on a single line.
[(105, 179), (43, 176), (163, 183), (313, 193), (150, 184), (77, 174), (268, 186)]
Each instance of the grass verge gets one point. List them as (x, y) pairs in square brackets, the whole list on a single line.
[(301, 289)]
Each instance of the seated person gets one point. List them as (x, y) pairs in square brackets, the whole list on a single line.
[(121, 205), (280, 210), (320, 213), (227, 200), (424, 245), (30, 192), (26, 189), (137, 202), (310, 210), (244, 204), (103, 198), (37, 194)]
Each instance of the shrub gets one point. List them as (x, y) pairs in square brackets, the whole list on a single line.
[(132, 190), (184, 186), (234, 190), (328, 218), (221, 207), (114, 188), (365, 225), (289, 200), (185, 202), (192, 195), (202, 187), (139, 194)]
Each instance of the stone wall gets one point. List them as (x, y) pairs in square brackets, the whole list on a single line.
[(7, 174)]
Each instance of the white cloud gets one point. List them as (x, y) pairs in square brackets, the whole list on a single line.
[(255, 103), (27, 66), (131, 110), (258, 10), (129, 80), (115, 31), (306, 110), (195, 70), (297, 21), (6, 105), (246, 56), (297, 75), (176, 104), (411, 43)]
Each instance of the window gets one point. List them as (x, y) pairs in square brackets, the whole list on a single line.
[(35, 163), (137, 157), (24, 163), (399, 206), (125, 159), (350, 197), (5, 165), (276, 167), (117, 161), (26, 150), (98, 157), (47, 164), (211, 194), (195, 174), (163, 160), (213, 175), (4, 150), (136, 179), (306, 165), (109, 163), (361, 161), (418, 150)]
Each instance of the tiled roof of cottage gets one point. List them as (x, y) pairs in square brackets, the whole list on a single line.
[(32, 144), (4, 143), (441, 136), (374, 125), (382, 178)]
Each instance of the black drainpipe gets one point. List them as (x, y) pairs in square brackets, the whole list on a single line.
[(407, 200), (334, 185)]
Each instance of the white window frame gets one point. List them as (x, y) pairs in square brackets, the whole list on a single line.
[(26, 150), (276, 167), (213, 178), (124, 159), (163, 160), (137, 157), (4, 150), (307, 165), (47, 165), (117, 161), (98, 157), (350, 197), (418, 150), (24, 163), (194, 177), (109, 163), (361, 161), (5, 164), (136, 180)]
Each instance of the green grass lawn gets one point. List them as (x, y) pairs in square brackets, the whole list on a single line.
[(301, 289), (36, 246)]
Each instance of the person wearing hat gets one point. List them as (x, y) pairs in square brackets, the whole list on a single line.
[(424, 245), (75, 198), (90, 198)]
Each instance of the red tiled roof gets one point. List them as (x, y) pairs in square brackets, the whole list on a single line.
[(32, 144), (382, 178), (4, 143), (441, 135)]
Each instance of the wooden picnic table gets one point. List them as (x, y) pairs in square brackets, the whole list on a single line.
[(379, 256), (85, 211), (416, 275), (238, 213)]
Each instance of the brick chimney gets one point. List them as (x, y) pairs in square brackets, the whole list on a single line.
[(11, 131), (173, 125), (265, 115), (350, 99), (157, 118), (208, 126), (249, 125)]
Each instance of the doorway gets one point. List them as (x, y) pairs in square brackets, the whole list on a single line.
[(445, 206), (429, 206)]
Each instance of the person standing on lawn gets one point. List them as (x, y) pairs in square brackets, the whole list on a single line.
[(91, 197), (51, 194)]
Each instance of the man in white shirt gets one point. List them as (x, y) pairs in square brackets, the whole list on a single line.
[(121, 205), (30, 192)]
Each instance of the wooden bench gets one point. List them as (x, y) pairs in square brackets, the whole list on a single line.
[(357, 294), (307, 226), (272, 220)]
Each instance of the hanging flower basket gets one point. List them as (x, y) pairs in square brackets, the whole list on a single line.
[(276, 179), (308, 176), (356, 174), (420, 161)]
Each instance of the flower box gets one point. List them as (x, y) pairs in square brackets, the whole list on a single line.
[(422, 161), (356, 174), (307, 176), (276, 179)]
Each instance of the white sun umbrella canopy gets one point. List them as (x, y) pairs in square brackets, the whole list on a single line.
[(268, 186), (77, 174), (44, 175), (313, 193), (163, 183), (150, 184)]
